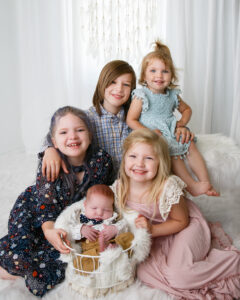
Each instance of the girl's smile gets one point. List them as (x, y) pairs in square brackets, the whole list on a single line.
[(117, 93), (158, 76), (141, 163), (71, 137)]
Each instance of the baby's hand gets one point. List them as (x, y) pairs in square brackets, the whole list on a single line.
[(142, 222), (108, 232), (89, 233)]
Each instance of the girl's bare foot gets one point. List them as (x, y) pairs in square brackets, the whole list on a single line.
[(199, 188), (212, 192), (5, 275)]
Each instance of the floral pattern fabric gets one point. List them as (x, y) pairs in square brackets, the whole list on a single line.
[(24, 251)]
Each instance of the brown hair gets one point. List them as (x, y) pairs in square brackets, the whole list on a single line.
[(109, 73), (163, 53), (69, 179)]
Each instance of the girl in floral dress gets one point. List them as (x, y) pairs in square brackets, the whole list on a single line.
[(32, 246)]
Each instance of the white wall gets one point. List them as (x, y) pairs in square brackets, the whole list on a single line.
[(10, 131)]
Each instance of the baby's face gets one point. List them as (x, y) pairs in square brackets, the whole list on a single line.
[(98, 207)]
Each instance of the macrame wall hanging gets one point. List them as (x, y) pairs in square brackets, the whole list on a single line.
[(117, 29)]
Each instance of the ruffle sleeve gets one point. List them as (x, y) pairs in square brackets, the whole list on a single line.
[(174, 95), (139, 93), (172, 191)]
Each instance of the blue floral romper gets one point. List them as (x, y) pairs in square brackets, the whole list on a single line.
[(157, 113)]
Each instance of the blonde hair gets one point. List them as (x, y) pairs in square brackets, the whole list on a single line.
[(160, 148), (109, 73), (163, 53)]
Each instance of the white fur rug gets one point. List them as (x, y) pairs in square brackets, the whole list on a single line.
[(223, 160)]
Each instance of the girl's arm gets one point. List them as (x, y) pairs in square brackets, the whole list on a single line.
[(52, 163), (177, 220), (53, 235), (186, 112), (134, 113)]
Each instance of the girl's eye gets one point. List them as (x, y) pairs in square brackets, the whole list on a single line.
[(165, 71), (62, 132), (80, 130), (149, 157), (132, 156), (127, 84), (113, 82), (153, 71)]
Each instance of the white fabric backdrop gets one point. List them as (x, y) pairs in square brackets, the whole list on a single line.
[(55, 66)]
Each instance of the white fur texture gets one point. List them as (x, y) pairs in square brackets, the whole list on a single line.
[(115, 269), (222, 156)]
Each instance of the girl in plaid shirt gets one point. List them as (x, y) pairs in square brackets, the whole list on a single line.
[(107, 116)]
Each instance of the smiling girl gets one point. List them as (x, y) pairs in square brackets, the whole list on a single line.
[(153, 107), (32, 246)]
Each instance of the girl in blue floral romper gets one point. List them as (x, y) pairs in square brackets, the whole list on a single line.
[(26, 251), (153, 107)]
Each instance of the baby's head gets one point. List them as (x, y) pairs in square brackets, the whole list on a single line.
[(99, 202), (161, 52)]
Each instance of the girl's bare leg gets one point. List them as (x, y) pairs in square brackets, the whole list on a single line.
[(5, 275), (199, 168), (195, 188)]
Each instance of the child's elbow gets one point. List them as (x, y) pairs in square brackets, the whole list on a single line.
[(129, 122), (185, 223)]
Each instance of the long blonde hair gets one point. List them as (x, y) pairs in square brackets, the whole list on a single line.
[(160, 148), (163, 53)]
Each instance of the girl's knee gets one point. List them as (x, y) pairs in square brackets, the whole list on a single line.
[(192, 146)]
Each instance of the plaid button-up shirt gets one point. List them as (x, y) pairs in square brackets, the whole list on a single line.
[(109, 132)]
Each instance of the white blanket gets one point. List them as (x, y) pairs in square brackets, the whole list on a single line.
[(223, 160)]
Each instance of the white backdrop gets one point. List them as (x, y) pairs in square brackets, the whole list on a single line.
[(46, 59)]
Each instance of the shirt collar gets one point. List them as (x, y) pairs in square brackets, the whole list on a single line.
[(120, 114)]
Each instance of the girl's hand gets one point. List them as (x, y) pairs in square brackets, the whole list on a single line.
[(186, 135), (180, 124), (108, 232), (142, 222), (52, 163), (158, 132), (89, 233), (53, 235)]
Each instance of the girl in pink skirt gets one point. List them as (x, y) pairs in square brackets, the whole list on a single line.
[(183, 260)]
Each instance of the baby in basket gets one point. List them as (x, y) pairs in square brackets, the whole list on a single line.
[(99, 237), (98, 226)]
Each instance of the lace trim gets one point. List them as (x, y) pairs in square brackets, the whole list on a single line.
[(140, 95), (175, 93), (172, 191)]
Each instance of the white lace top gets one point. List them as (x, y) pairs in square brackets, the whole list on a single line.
[(172, 191)]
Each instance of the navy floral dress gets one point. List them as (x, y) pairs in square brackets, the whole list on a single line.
[(25, 251)]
